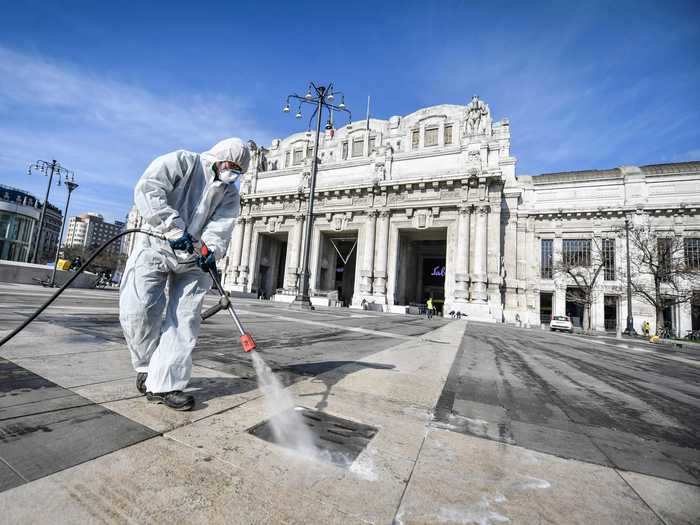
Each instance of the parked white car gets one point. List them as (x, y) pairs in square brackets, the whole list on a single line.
[(561, 322)]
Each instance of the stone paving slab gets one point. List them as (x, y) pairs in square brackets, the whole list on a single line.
[(161, 481), (675, 503), (78, 369), (463, 479), (214, 392), (38, 445), (9, 478), (45, 428)]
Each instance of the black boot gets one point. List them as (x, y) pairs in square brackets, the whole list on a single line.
[(141, 382), (175, 399)]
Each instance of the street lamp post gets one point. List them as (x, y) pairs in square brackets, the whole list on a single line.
[(322, 97), (47, 168), (71, 185), (630, 320)]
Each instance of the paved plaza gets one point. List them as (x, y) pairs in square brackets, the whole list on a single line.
[(475, 423)]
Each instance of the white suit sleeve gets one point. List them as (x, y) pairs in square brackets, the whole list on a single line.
[(217, 233), (154, 186)]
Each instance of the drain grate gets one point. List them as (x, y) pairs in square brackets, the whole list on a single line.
[(340, 439)]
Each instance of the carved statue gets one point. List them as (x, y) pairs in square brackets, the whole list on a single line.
[(478, 116), (305, 180), (261, 155), (382, 159)]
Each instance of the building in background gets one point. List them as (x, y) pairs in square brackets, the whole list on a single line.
[(133, 220), (49, 234), (20, 212), (89, 231), (429, 204)]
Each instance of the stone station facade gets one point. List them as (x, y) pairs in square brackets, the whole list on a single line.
[(429, 204)]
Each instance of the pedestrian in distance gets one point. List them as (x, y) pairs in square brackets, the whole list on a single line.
[(190, 198), (429, 307)]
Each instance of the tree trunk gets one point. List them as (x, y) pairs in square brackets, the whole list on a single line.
[(587, 318)]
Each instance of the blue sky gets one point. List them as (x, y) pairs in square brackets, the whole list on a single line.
[(104, 87)]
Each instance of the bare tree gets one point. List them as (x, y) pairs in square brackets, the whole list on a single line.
[(661, 272), (582, 264)]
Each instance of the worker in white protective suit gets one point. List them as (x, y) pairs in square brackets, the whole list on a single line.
[(191, 198)]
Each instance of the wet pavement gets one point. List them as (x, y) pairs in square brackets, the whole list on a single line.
[(615, 404), (40, 420), (469, 422)]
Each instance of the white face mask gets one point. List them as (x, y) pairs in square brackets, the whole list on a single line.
[(228, 176)]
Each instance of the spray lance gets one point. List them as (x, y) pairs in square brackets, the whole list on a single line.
[(246, 339)]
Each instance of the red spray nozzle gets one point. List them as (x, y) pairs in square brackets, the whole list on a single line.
[(248, 343), (204, 251)]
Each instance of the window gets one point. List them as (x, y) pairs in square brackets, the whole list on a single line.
[(297, 156), (448, 135), (372, 143), (286, 160), (546, 259), (608, 249), (576, 252), (358, 146), (309, 153), (664, 248), (415, 138), (692, 254), (344, 155), (431, 136)]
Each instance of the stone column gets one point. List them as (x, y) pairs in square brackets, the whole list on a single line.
[(381, 253), (245, 253), (235, 250), (462, 266), (480, 254), (368, 263), (559, 303), (295, 248)]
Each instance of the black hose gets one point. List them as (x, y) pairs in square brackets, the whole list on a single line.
[(69, 281)]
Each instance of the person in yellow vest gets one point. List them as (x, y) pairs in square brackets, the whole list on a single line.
[(429, 307)]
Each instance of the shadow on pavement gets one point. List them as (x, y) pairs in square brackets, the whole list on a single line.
[(343, 369)]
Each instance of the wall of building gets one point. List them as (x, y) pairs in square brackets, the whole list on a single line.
[(398, 186), (20, 213), (593, 205), (90, 231)]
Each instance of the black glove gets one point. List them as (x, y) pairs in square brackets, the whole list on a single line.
[(183, 243), (206, 262)]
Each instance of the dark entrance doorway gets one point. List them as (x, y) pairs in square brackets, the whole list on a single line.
[(273, 254), (574, 305), (337, 265), (546, 307), (610, 312), (421, 265)]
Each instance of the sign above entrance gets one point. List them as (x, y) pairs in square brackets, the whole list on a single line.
[(438, 271)]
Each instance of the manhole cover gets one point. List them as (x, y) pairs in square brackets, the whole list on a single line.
[(341, 439)]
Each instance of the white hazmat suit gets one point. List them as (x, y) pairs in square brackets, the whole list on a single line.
[(178, 192)]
